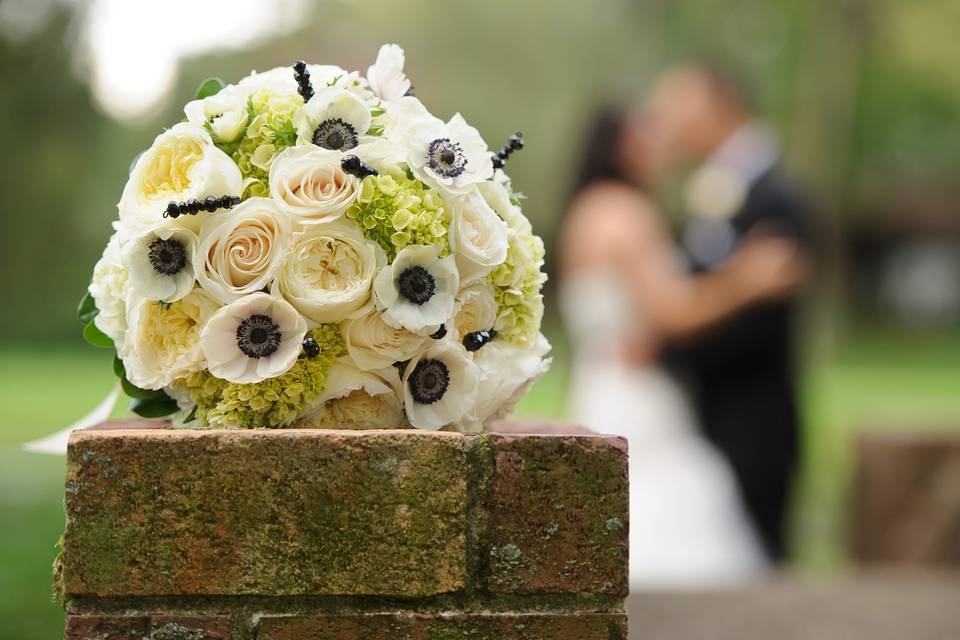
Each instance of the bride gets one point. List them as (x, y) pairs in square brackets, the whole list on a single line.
[(623, 294)]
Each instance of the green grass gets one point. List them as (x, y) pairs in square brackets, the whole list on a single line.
[(875, 381)]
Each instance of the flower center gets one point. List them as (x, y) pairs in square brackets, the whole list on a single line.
[(416, 284), (167, 256), (335, 134), (258, 336), (429, 381), (446, 157)]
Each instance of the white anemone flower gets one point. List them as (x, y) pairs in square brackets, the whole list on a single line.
[(356, 399), (449, 156), (334, 119), (440, 385), (418, 290), (257, 337), (386, 76), (160, 263)]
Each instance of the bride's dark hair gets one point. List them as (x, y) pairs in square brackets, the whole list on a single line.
[(600, 158)]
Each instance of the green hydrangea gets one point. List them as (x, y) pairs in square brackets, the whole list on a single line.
[(517, 284), (396, 210), (274, 402), (270, 131)]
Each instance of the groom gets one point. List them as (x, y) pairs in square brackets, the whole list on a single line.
[(741, 374)]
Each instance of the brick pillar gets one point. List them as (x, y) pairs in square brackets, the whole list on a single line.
[(294, 535)]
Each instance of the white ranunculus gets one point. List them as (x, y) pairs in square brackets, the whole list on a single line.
[(449, 156), (476, 310), (309, 183), (333, 119), (386, 76), (478, 237), (374, 344), (328, 272), (163, 342), (356, 399), (110, 289), (417, 291), (497, 194), (160, 263), (506, 374), (240, 252), (225, 113), (182, 164), (440, 385), (257, 337)]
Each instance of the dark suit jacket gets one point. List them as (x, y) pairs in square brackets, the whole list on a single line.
[(741, 374)]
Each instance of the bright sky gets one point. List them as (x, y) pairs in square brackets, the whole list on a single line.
[(134, 48)]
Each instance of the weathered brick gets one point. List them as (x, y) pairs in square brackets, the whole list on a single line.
[(447, 626), (557, 515), (150, 627), (270, 512)]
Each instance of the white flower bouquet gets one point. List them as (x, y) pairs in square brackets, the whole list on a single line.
[(313, 248)]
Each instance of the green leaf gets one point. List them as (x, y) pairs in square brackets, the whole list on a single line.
[(87, 309), (154, 407), (377, 111), (375, 131), (191, 416), (210, 87), (118, 369), (97, 338), (137, 393)]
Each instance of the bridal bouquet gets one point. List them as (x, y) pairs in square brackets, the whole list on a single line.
[(313, 248)]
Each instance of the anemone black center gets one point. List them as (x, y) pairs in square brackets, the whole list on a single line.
[(429, 381), (258, 336), (335, 134), (446, 157), (167, 256), (416, 284)]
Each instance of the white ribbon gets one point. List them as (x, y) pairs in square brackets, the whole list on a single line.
[(56, 443)]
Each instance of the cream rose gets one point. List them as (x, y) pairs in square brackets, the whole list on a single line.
[(225, 113), (163, 342), (329, 270), (356, 399), (239, 252), (110, 288), (309, 183), (182, 163), (374, 344), (476, 309), (478, 237)]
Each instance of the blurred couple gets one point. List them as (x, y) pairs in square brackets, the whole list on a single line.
[(684, 346)]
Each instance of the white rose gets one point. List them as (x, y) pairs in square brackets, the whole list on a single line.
[(506, 374), (333, 119), (160, 263), (257, 337), (163, 342), (478, 237), (476, 309), (386, 76), (355, 399), (182, 164), (226, 113), (309, 183), (451, 156), (110, 288), (374, 344), (440, 385), (497, 194), (329, 270), (239, 252)]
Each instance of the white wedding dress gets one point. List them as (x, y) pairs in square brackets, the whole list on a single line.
[(687, 525)]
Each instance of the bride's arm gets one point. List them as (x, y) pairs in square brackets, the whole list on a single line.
[(676, 305)]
